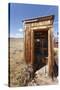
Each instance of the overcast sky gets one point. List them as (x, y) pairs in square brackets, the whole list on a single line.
[(19, 12)]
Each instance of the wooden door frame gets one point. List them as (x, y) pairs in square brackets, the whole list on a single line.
[(32, 44), (50, 49)]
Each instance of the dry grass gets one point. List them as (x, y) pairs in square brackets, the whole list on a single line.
[(17, 63)]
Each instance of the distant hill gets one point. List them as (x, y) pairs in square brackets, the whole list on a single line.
[(15, 38)]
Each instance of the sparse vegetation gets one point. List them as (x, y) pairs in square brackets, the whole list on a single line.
[(20, 73)]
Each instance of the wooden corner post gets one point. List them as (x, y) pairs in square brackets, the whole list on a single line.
[(50, 51)]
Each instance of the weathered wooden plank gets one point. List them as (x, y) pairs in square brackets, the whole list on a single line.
[(27, 45), (50, 53)]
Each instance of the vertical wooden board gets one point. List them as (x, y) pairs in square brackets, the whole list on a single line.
[(50, 53), (27, 45), (32, 47)]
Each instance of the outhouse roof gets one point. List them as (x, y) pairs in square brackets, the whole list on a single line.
[(37, 19)]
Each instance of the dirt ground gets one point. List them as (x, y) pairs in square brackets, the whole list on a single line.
[(17, 65)]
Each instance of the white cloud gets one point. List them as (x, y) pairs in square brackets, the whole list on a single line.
[(12, 35), (20, 30), (18, 34)]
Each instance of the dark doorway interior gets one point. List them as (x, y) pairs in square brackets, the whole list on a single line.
[(40, 48)]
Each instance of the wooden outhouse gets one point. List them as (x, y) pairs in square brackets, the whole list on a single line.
[(39, 41)]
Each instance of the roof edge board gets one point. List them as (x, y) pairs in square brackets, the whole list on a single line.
[(43, 18)]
